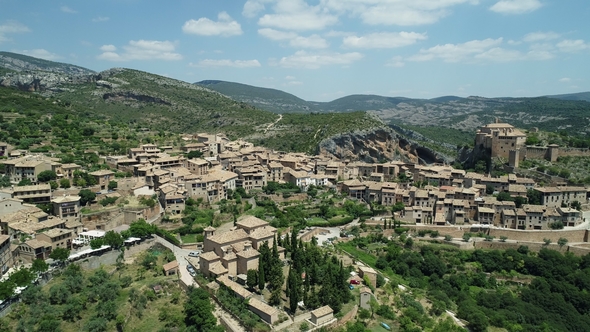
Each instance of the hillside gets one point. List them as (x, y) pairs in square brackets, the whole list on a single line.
[(466, 114), (20, 62), (272, 100), (573, 96), (126, 97)]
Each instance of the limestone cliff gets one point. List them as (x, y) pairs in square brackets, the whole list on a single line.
[(377, 145)]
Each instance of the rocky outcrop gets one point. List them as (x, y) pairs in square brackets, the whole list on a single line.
[(376, 145), (42, 81), (130, 96), (22, 63)]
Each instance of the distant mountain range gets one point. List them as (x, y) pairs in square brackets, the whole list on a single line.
[(556, 112), (282, 102), (249, 112)]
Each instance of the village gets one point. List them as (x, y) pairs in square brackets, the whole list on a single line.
[(210, 168)]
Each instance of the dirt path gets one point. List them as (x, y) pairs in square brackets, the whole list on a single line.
[(274, 123)]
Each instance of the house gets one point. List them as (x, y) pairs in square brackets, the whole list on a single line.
[(171, 268), (322, 315), (6, 261), (103, 177), (264, 311), (365, 297), (171, 198), (33, 249), (28, 167), (67, 207), (34, 194), (370, 273), (57, 238)]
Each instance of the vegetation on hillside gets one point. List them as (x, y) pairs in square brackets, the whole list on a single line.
[(512, 289)]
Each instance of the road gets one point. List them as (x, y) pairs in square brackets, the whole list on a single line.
[(274, 123)]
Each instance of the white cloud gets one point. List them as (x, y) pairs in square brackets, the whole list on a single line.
[(11, 27), (487, 50), (226, 63), (396, 61), (516, 6), (297, 15), (456, 52), (565, 80), (313, 41), (540, 36), (498, 54), (403, 13), (383, 40), (108, 48), (571, 46), (141, 50), (100, 19), (273, 34), (41, 53), (225, 26), (253, 7), (289, 77), (303, 59), (68, 10)]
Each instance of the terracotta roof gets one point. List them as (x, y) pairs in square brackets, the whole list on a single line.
[(323, 311), (209, 256), (37, 244), (170, 266), (251, 222), (217, 268), (66, 199), (248, 253), (365, 289), (227, 237), (244, 293), (261, 306)]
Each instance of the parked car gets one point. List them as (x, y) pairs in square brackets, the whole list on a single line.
[(194, 253), (354, 282), (351, 287), (190, 269)]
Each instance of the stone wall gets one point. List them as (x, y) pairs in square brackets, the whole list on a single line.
[(539, 236)]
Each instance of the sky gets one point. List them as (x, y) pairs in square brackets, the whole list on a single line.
[(324, 49)]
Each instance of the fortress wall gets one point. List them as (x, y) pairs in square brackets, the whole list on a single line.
[(574, 152), (535, 152)]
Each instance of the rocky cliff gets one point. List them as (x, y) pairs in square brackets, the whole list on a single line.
[(377, 145)]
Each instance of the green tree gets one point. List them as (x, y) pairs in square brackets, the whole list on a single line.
[(466, 237), (53, 185), (113, 239), (96, 243), (46, 176), (60, 254), (252, 279), (112, 185), (198, 310), (86, 196), (39, 266), (562, 242), (64, 183)]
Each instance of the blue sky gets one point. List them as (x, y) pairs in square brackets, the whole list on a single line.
[(324, 49)]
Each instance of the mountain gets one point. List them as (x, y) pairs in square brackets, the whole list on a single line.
[(573, 96), (19, 63), (549, 113), (126, 97), (272, 100)]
